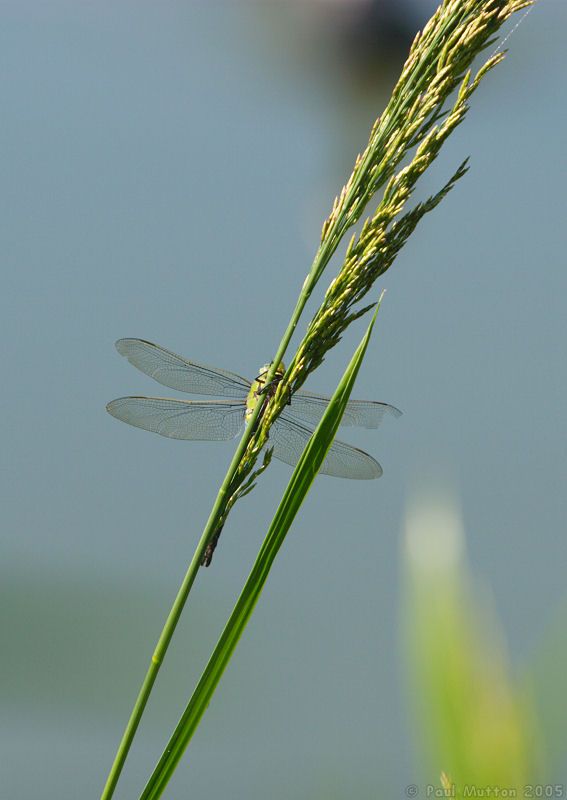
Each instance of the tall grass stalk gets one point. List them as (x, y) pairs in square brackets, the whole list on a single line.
[(295, 493), (421, 113)]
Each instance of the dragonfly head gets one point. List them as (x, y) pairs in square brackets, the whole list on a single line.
[(278, 373)]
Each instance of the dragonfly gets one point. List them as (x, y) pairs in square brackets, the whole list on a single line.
[(224, 419)]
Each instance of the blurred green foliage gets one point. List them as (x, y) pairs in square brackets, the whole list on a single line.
[(478, 728)]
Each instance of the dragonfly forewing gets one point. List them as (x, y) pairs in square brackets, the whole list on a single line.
[(359, 413), (178, 373)]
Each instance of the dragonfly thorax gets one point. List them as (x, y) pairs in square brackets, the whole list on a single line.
[(257, 387)]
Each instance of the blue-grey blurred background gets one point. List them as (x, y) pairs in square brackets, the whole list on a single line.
[(165, 172)]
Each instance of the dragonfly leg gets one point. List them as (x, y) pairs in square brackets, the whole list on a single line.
[(269, 387), (261, 382)]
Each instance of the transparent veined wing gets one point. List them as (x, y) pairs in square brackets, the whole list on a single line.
[(288, 438), (361, 413), (178, 373), (181, 419)]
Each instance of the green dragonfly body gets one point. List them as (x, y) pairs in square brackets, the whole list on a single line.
[(224, 419), (257, 388)]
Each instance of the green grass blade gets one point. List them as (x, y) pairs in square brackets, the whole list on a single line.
[(295, 493)]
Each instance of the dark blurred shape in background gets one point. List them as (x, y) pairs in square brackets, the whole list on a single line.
[(344, 57), (362, 37), (366, 33)]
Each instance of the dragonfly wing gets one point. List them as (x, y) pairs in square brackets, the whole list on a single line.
[(289, 438), (361, 413), (181, 419), (178, 373)]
